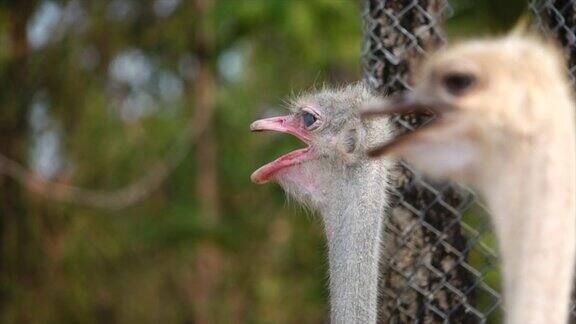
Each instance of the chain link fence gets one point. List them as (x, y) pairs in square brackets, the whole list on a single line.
[(557, 19), (440, 263)]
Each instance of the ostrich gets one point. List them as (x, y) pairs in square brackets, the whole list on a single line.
[(506, 126), (335, 177)]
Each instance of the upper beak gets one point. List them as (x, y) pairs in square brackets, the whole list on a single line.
[(283, 124), (406, 103), (402, 104)]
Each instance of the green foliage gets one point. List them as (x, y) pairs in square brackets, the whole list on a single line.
[(487, 17)]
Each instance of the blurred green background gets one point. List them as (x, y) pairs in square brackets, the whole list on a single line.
[(97, 94)]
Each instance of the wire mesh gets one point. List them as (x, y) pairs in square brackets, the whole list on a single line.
[(557, 19), (436, 260)]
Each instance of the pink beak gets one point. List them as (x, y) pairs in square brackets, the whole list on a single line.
[(283, 124)]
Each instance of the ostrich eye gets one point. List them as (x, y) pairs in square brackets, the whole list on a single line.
[(458, 83), (309, 119)]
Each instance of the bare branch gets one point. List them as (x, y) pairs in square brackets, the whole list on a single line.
[(119, 198)]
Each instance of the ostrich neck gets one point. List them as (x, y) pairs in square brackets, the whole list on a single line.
[(532, 201), (353, 224)]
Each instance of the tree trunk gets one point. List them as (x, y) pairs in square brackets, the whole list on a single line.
[(208, 260), (16, 259)]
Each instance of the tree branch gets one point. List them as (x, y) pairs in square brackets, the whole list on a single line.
[(119, 198)]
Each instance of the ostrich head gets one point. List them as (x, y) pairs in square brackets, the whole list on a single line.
[(329, 123), (489, 97)]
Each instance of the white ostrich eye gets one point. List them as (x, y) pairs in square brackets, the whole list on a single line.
[(458, 83), (310, 120)]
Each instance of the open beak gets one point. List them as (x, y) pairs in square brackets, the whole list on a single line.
[(284, 124), (403, 104)]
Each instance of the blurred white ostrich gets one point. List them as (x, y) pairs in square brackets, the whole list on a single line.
[(505, 125)]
